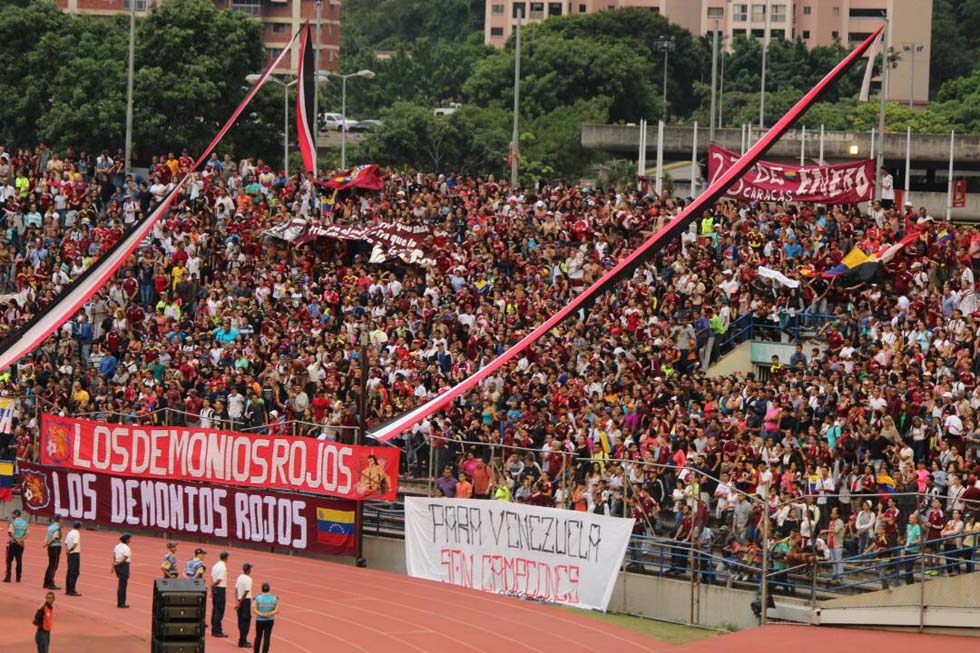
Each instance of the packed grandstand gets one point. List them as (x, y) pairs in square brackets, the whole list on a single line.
[(221, 320)]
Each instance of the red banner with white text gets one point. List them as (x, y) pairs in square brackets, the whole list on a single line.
[(205, 455), (844, 183), (179, 508)]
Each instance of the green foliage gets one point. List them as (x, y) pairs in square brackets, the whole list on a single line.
[(474, 140), (191, 63), (371, 25)]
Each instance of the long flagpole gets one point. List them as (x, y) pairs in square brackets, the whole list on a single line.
[(694, 162), (949, 186), (821, 145), (129, 85), (714, 80), (908, 163), (660, 158), (882, 101), (803, 146), (515, 139)]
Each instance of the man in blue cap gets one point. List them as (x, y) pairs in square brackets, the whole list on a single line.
[(52, 542)]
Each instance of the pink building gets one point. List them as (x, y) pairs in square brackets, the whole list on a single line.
[(815, 22)]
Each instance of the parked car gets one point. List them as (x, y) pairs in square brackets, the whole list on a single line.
[(363, 125), (447, 110), (332, 122)]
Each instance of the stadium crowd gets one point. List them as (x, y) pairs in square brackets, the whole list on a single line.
[(215, 323)]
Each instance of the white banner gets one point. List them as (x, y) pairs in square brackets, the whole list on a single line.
[(546, 554)]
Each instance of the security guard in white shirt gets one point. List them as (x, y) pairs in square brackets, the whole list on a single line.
[(243, 605), (122, 555), (73, 549), (219, 586)]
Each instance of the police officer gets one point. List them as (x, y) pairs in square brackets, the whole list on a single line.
[(169, 566), (265, 608), (73, 551), (18, 531), (219, 588), (243, 604), (196, 567), (122, 556), (52, 542)]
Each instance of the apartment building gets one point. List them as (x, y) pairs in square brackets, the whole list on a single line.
[(280, 20), (815, 22)]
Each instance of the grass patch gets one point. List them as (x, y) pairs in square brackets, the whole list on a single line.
[(662, 631)]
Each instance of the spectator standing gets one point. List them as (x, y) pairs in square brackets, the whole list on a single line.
[(43, 619), (122, 556), (265, 608), (73, 552), (243, 604), (17, 532)]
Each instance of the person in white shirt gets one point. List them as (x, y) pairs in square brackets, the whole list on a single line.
[(219, 587), (887, 189), (122, 556), (73, 549), (243, 604)]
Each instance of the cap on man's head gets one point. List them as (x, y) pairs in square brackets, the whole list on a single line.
[(198, 552), (171, 545), (16, 513)]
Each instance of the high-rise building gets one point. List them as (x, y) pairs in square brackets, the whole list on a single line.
[(280, 20), (815, 22)]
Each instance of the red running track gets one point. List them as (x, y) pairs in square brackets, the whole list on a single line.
[(325, 607), (334, 607)]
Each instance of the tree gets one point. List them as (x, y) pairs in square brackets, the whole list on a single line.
[(554, 141), (192, 60), (24, 91), (559, 71), (371, 25)]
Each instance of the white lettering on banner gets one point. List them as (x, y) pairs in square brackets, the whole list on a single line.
[(547, 554), (214, 456)]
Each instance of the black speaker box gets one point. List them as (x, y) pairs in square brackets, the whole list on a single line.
[(179, 607), (177, 647)]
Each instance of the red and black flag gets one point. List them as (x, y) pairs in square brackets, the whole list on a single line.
[(305, 96)]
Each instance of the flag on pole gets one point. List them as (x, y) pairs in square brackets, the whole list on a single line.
[(6, 480), (305, 95), (872, 55)]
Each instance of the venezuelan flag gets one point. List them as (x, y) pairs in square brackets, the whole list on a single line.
[(792, 175), (335, 528), (330, 202), (6, 480)]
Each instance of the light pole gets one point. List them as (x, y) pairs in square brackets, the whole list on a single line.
[(714, 80), (515, 135), (666, 45), (912, 48), (365, 74), (362, 406), (316, 78), (129, 84), (252, 79)]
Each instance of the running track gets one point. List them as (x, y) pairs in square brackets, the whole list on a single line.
[(325, 607), (335, 607)]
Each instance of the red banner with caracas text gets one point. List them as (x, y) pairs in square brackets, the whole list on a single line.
[(299, 522), (844, 183), (205, 455)]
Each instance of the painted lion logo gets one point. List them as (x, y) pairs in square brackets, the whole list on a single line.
[(34, 490), (58, 442)]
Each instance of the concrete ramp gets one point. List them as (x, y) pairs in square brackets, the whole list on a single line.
[(952, 602)]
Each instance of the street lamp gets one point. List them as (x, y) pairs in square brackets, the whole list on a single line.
[(252, 79), (364, 74), (912, 48), (666, 45)]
